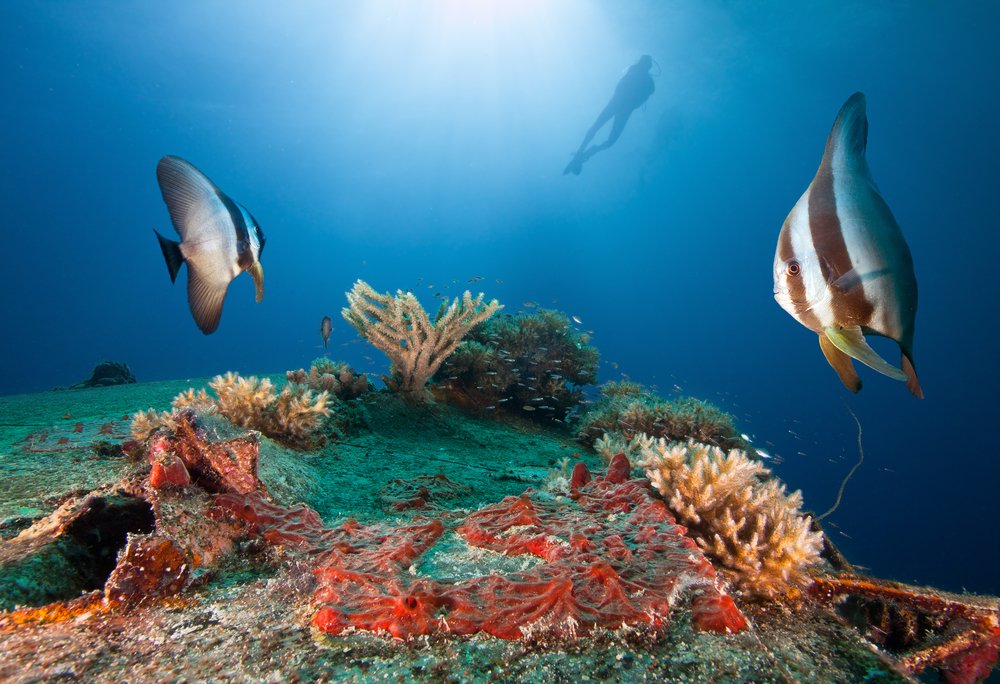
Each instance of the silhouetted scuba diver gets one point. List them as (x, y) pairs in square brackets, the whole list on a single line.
[(631, 93)]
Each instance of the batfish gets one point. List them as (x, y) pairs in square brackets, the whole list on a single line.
[(219, 239), (325, 328), (842, 267)]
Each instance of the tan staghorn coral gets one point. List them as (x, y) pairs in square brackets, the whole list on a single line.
[(400, 328), (292, 414), (612, 443), (737, 512)]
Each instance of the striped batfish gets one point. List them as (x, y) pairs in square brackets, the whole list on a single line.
[(219, 239), (842, 267)]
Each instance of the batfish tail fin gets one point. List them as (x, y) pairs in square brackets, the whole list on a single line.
[(172, 254), (912, 383), (848, 140), (841, 363)]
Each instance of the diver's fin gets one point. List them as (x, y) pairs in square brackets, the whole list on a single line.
[(851, 341), (912, 383), (575, 166), (205, 298), (257, 273), (841, 363), (172, 254)]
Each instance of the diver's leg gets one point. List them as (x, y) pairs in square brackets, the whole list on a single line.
[(616, 131), (602, 119)]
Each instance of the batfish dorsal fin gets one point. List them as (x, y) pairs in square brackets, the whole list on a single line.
[(185, 190), (845, 148), (205, 297)]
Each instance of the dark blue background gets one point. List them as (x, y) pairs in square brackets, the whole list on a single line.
[(394, 140)]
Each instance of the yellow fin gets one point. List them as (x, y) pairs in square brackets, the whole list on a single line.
[(852, 342), (257, 273), (841, 363)]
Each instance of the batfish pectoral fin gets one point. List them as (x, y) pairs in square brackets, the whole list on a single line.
[(851, 341), (912, 383), (841, 363), (257, 273)]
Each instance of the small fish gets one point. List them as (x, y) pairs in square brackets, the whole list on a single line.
[(591, 332), (325, 328), (842, 267), (763, 454), (529, 304), (499, 281), (576, 319), (219, 239), (528, 408), (746, 437), (437, 294), (614, 365)]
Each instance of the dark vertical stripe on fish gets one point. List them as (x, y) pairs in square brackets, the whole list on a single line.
[(850, 308)]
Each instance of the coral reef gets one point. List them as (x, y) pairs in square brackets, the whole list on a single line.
[(532, 366), (596, 556), (739, 514), (610, 557), (334, 377), (400, 328), (626, 408), (292, 415), (105, 374)]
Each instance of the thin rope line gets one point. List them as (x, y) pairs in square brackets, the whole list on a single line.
[(856, 465)]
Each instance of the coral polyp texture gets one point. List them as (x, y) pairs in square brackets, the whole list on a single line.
[(335, 377), (609, 557), (509, 363), (294, 413), (740, 515), (626, 408), (399, 327)]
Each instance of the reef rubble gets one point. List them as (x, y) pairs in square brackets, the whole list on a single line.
[(215, 553)]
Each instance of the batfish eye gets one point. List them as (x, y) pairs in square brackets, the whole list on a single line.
[(793, 268)]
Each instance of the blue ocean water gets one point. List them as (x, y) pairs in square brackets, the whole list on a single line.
[(394, 141)]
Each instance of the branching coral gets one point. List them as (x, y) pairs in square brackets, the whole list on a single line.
[(626, 408), (293, 413), (738, 513), (611, 444), (535, 362), (400, 328), (335, 377)]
